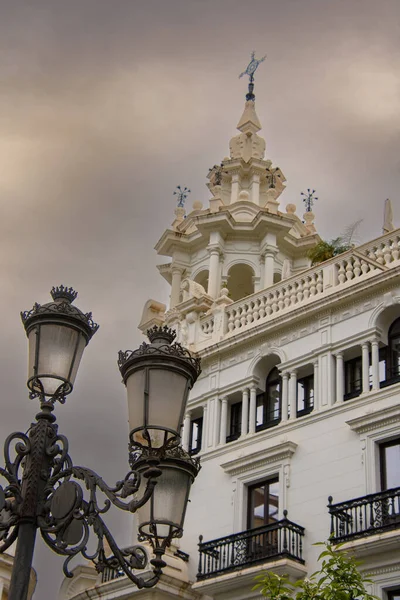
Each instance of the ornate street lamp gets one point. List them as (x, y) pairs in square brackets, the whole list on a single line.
[(42, 488)]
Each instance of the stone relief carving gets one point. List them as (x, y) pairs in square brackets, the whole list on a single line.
[(192, 289)]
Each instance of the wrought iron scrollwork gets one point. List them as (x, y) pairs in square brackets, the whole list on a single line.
[(42, 484)]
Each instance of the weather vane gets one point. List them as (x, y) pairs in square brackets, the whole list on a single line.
[(182, 194), (250, 70), (309, 199)]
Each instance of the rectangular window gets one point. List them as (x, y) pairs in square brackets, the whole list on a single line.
[(196, 430), (390, 464), (393, 595), (235, 424), (263, 503), (352, 378), (305, 395)]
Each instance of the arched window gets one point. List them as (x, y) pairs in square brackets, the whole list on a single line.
[(269, 404), (393, 352)]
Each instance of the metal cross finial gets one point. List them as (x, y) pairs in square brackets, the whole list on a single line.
[(182, 194), (309, 199), (252, 66), (250, 70)]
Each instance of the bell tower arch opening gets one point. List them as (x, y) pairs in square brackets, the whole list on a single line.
[(240, 281)]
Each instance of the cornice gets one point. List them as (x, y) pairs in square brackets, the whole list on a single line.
[(376, 419), (250, 462), (284, 428), (334, 298)]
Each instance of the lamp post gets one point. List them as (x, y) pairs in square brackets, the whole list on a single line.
[(45, 491)]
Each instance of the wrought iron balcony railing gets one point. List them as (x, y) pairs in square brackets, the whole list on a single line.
[(365, 516), (109, 574), (282, 539)]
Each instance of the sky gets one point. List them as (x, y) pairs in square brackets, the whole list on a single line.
[(107, 105)]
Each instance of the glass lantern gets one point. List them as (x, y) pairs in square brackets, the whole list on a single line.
[(57, 334)]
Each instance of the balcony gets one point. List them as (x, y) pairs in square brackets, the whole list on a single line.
[(339, 277), (365, 516), (283, 539)]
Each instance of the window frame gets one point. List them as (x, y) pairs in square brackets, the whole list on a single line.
[(308, 398), (199, 422), (350, 380), (266, 483), (235, 422), (382, 461), (273, 378)]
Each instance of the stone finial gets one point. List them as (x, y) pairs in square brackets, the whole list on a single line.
[(291, 209), (387, 217), (309, 221), (249, 121), (197, 205)]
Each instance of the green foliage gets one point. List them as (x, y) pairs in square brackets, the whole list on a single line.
[(338, 579), (325, 250)]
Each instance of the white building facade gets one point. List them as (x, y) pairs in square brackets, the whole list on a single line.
[(298, 400)]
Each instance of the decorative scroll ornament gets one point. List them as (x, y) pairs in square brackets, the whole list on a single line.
[(41, 483)]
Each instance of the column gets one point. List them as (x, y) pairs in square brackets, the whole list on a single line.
[(253, 409), (365, 367), (375, 364), (285, 396), (205, 428), (255, 189), (186, 430), (224, 421), (293, 395), (245, 412), (217, 427), (175, 286), (339, 378), (234, 187), (316, 386), (269, 268), (214, 273)]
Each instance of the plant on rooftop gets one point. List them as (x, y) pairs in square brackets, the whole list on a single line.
[(324, 250)]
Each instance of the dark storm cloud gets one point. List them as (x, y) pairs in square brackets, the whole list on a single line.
[(105, 106)]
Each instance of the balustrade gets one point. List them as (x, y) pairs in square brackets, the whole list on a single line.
[(365, 516), (343, 270), (282, 539)]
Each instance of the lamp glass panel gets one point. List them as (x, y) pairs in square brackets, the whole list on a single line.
[(168, 501), (78, 357), (167, 397), (57, 345), (135, 387)]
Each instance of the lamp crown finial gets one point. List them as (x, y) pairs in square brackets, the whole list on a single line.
[(161, 334), (64, 293)]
